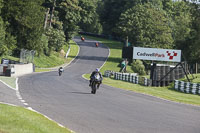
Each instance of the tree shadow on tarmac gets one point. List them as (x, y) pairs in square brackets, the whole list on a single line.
[(97, 58), (80, 92)]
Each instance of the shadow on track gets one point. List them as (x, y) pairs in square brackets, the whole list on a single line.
[(97, 58), (80, 92)]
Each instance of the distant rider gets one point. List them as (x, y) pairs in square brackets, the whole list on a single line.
[(82, 38), (92, 76), (60, 70), (97, 44)]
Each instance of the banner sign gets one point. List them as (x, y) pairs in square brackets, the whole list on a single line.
[(157, 54)]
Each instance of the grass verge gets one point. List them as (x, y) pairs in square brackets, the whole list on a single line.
[(195, 78), (20, 120), (55, 59), (161, 92), (9, 80)]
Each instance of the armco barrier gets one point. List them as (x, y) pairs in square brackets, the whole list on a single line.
[(187, 87), (133, 78)]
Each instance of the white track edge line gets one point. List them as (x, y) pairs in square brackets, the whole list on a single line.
[(29, 108)]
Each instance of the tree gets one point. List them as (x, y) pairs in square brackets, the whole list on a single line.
[(181, 16), (182, 20), (56, 39), (146, 26), (89, 18), (7, 42), (192, 44), (69, 14), (112, 10), (2, 37), (54, 31), (26, 19), (2, 31)]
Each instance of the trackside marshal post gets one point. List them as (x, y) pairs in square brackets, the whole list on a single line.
[(157, 54)]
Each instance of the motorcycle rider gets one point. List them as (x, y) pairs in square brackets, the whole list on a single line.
[(97, 44), (60, 70), (92, 76), (82, 38)]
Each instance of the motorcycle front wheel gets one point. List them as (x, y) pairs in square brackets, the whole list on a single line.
[(60, 73), (94, 88)]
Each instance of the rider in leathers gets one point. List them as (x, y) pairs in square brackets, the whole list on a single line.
[(92, 76)]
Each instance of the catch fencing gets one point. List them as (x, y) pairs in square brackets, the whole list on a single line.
[(26, 56)]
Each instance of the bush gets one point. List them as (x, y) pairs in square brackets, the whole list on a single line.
[(138, 67)]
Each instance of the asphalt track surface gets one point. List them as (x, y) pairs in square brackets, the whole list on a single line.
[(67, 100)]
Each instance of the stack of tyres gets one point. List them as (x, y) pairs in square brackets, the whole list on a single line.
[(160, 71)]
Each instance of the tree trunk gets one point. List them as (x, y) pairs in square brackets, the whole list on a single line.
[(46, 18), (51, 16)]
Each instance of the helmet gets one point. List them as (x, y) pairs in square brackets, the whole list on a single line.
[(97, 69)]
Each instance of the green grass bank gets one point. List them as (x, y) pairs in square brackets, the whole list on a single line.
[(19, 120), (45, 63)]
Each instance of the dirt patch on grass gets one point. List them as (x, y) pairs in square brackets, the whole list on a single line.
[(2, 131)]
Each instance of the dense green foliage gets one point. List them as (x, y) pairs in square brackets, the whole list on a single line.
[(138, 67), (7, 41), (146, 26), (89, 17), (44, 25), (47, 25), (25, 22)]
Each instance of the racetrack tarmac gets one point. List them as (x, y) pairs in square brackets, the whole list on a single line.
[(67, 100)]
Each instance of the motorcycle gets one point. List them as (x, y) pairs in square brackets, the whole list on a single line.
[(95, 83), (83, 39), (60, 71), (97, 44)]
